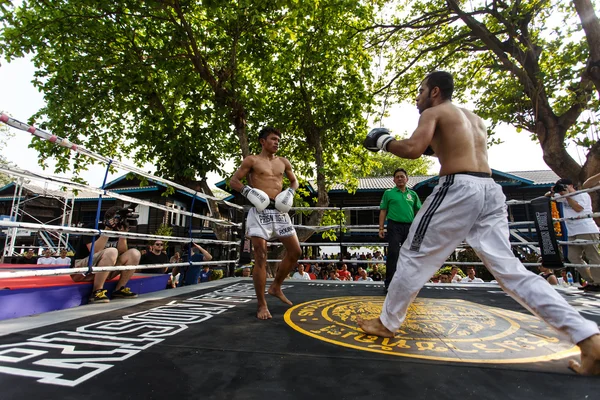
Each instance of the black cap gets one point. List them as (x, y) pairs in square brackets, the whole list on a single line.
[(564, 181)]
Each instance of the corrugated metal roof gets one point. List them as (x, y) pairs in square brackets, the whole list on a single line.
[(539, 177)]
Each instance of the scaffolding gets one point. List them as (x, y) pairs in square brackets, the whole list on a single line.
[(50, 240)]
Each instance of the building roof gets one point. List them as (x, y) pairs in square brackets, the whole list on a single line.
[(539, 177), (527, 178)]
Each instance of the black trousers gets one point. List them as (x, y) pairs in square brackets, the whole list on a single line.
[(397, 232)]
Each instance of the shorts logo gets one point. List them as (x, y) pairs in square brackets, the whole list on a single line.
[(286, 230), (266, 219), (435, 329)]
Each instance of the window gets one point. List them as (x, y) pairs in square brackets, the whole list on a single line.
[(143, 211), (175, 218)]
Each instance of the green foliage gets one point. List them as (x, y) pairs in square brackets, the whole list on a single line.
[(448, 268), (179, 84), (387, 163), (164, 230), (521, 63), (216, 274)]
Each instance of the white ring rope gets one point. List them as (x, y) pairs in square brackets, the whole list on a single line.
[(585, 216), (81, 150), (84, 270), (564, 196), (78, 186), (94, 232)]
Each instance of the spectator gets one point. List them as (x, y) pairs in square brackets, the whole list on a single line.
[(46, 258), (471, 278), (155, 255), (344, 273), (247, 272), (205, 274), (547, 273), (375, 274), (445, 278), (28, 257), (454, 275), (580, 229), (176, 258), (362, 276), (62, 259), (107, 252), (333, 276), (399, 205), (199, 254), (300, 274)]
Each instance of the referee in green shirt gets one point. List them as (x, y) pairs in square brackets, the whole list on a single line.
[(399, 205)]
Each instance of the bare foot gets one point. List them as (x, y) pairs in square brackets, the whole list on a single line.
[(374, 327), (279, 294), (590, 357), (263, 313)]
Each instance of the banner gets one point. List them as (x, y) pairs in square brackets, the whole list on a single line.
[(544, 227)]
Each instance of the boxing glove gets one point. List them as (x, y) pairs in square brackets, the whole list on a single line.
[(257, 197), (378, 139), (285, 200)]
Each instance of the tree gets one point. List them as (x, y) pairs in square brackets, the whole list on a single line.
[(524, 63), (388, 163), (180, 84), (5, 135)]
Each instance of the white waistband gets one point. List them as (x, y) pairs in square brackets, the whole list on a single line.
[(465, 178)]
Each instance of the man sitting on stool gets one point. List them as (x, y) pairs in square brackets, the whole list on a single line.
[(107, 252)]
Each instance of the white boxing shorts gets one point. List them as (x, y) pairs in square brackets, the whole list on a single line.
[(269, 224)]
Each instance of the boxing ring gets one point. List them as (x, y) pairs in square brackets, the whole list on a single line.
[(458, 341)]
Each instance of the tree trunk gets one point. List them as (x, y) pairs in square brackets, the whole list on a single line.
[(591, 26)]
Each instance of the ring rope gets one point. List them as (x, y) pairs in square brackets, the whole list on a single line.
[(82, 150), (117, 234), (78, 186)]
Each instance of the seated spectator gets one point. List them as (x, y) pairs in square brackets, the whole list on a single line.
[(445, 278), (470, 278), (28, 257), (175, 273), (62, 259), (300, 274), (204, 274), (547, 274), (375, 274), (358, 273), (454, 275), (362, 276), (107, 252), (323, 274), (344, 273), (155, 255), (333, 276), (46, 258), (247, 272)]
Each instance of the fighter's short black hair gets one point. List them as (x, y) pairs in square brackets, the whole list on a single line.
[(443, 80), (266, 131)]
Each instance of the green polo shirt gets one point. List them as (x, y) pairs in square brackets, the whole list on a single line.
[(400, 206)]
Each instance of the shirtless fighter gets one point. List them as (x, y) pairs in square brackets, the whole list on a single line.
[(466, 203), (269, 218)]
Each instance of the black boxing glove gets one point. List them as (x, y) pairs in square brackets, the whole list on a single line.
[(378, 139), (428, 151)]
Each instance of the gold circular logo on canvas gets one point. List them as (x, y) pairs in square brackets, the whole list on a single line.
[(434, 329)]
